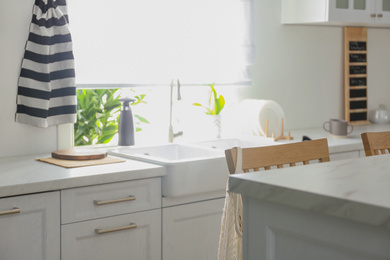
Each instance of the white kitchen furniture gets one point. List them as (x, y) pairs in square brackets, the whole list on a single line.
[(191, 231), (112, 221), (336, 210), (369, 13), (95, 202), (30, 227), (22, 178), (340, 148)]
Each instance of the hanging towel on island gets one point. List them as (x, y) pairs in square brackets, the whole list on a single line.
[(46, 87), (230, 239)]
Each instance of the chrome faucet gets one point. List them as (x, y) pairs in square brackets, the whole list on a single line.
[(173, 135)]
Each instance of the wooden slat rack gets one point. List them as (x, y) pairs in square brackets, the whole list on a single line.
[(355, 75)]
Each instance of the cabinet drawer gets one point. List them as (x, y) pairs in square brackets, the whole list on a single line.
[(143, 242), (30, 227), (106, 200)]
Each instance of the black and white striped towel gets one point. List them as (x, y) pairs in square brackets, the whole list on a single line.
[(46, 88)]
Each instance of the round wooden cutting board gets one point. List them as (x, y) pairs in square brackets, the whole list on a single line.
[(79, 154)]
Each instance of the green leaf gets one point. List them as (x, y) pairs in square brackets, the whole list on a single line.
[(215, 103), (98, 115), (141, 119)]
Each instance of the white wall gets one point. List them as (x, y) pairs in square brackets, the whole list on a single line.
[(16, 138), (300, 67)]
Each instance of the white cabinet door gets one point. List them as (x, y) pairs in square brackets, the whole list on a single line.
[(34, 232), (370, 13), (191, 231), (383, 11), (130, 236), (360, 11), (352, 11)]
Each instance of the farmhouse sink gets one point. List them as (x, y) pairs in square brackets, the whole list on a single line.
[(223, 144), (190, 169)]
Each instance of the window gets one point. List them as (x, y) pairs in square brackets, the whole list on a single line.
[(135, 43), (139, 42)]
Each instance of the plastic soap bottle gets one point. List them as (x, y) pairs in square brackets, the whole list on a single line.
[(126, 123)]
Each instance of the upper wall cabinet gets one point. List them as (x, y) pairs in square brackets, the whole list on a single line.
[(369, 13)]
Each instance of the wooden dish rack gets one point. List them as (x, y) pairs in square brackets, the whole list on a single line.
[(282, 136)]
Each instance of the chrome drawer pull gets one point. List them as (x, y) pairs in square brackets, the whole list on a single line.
[(104, 202), (103, 231), (8, 212)]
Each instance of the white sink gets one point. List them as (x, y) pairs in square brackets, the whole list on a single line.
[(190, 169)]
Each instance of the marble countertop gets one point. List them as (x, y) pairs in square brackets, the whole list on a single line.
[(24, 175), (355, 189), (339, 144)]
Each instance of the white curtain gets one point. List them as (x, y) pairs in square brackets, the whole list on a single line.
[(151, 42)]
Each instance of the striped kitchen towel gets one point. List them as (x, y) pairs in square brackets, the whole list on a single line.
[(46, 87)]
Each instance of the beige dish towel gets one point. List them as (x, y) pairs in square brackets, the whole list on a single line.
[(230, 241)]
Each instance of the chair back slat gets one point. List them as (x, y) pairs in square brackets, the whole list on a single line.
[(376, 143), (267, 157)]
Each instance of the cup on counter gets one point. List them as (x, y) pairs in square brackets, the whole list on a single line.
[(338, 127)]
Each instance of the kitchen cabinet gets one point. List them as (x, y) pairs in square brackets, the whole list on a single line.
[(30, 227), (370, 13), (112, 221), (336, 213), (129, 236), (191, 231), (85, 203), (346, 155)]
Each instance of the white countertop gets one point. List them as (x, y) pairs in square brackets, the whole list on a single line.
[(355, 189), (336, 144), (24, 175)]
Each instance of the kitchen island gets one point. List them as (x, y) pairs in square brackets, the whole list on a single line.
[(336, 210)]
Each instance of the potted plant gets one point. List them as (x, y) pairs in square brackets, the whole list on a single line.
[(214, 107)]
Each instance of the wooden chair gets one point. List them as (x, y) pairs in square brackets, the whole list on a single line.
[(247, 159), (265, 157), (376, 143)]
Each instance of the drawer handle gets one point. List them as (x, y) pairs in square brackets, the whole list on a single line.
[(104, 202), (9, 212), (103, 231)]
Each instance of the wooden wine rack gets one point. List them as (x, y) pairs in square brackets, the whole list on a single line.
[(355, 75)]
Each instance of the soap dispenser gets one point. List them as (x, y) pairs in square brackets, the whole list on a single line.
[(126, 123)]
